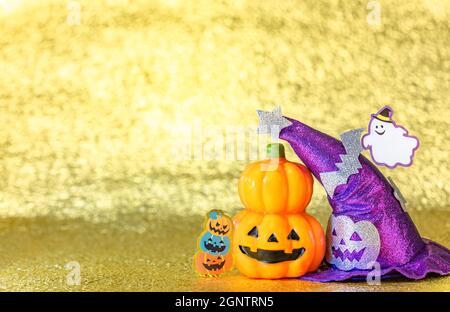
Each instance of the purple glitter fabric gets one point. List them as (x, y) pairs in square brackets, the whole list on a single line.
[(367, 196)]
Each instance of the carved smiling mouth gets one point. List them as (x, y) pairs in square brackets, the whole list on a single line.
[(347, 255), (380, 133), (214, 248), (272, 256), (217, 230), (214, 267)]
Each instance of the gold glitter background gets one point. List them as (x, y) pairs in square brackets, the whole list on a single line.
[(94, 97)]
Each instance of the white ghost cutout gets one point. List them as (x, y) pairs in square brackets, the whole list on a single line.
[(389, 144)]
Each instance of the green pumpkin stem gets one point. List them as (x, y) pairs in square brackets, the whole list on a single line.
[(275, 150)]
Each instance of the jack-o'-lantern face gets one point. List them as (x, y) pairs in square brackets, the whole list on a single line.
[(215, 245), (351, 244), (218, 223), (275, 246), (274, 236), (213, 265)]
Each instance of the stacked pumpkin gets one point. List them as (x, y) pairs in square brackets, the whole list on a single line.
[(274, 236), (214, 256)]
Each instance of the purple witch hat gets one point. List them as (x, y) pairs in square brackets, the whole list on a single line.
[(368, 227)]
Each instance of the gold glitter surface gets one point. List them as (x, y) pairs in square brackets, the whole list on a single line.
[(95, 96)]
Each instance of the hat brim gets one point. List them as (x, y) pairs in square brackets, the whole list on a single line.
[(434, 258), (385, 120)]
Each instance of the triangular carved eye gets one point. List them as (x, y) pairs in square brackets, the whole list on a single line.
[(253, 232), (293, 235), (272, 239), (334, 232), (355, 237)]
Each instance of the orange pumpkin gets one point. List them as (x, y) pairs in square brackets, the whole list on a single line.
[(219, 223), (274, 237), (276, 185), (208, 264)]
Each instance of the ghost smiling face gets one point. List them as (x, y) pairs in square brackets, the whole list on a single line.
[(389, 144), (351, 245)]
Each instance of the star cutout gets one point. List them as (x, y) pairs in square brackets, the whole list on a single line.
[(272, 122)]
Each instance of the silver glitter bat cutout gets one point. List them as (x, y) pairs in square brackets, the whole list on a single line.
[(272, 122), (350, 162), (397, 194)]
